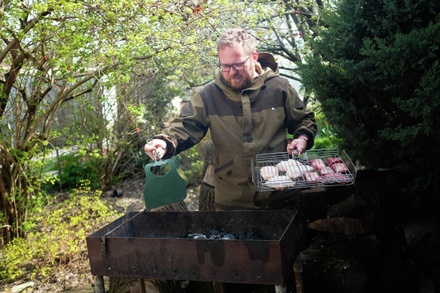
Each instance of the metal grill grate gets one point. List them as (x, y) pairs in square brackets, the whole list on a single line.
[(313, 168)]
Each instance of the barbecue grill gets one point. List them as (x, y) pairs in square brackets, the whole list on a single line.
[(154, 245)]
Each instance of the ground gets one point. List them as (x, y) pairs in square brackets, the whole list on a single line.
[(389, 266), (75, 277)]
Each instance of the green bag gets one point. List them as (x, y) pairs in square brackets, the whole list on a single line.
[(163, 184)]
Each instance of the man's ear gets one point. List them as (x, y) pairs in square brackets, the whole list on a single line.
[(255, 56)]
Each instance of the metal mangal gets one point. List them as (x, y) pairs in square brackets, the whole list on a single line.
[(151, 245)]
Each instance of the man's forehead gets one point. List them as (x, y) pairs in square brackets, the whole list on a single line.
[(231, 54)]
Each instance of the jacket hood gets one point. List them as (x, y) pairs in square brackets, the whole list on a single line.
[(267, 60)]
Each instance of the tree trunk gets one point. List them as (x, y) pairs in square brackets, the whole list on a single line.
[(206, 196)]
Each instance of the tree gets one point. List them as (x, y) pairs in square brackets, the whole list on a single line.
[(285, 28), (375, 71), (55, 51)]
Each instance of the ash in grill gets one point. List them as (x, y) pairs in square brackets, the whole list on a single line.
[(218, 235)]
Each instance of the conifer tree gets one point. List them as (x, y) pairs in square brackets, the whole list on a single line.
[(376, 71)]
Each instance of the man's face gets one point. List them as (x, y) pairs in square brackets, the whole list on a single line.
[(241, 78)]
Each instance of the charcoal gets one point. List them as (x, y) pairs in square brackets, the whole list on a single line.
[(215, 234)]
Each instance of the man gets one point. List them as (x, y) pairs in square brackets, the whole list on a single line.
[(247, 109)]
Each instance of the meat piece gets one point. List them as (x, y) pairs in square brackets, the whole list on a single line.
[(294, 172), (280, 182), (297, 171), (311, 177), (326, 170), (268, 172), (317, 164), (307, 168), (334, 178), (340, 168), (331, 161), (284, 165)]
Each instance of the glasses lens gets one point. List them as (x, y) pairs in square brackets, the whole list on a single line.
[(225, 68), (238, 66)]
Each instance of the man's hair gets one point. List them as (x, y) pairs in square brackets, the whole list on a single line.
[(237, 36)]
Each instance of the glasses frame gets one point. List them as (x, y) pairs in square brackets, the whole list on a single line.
[(237, 66)]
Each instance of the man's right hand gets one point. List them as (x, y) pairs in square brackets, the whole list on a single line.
[(155, 148)]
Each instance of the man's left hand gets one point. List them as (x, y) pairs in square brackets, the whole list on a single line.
[(297, 146)]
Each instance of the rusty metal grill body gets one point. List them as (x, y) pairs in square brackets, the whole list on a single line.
[(153, 245)]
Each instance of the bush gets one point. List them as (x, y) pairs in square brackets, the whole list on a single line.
[(326, 137), (76, 168), (59, 237), (190, 166)]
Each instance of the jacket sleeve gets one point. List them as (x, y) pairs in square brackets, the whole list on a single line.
[(187, 129), (299, 120)]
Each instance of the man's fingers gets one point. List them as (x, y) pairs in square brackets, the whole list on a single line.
[(155, 148)]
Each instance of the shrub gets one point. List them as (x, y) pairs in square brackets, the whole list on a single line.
[(59, 237), (190, 166), (326, 137), (76, 168)]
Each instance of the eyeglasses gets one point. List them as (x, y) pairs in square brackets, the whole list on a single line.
[(237, 66)]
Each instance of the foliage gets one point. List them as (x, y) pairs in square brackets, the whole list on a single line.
[(285, 29), (103, 133), (376, 73), (59, 238), (191, 166), (75, 168), (53, 52), (327, 136)]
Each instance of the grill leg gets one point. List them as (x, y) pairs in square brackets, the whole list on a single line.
[(141, 285), (298, 269), (99, 284)]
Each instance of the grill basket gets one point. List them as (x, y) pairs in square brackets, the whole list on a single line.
[(301, 172)]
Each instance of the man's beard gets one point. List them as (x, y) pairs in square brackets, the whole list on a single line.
[(238, 84)]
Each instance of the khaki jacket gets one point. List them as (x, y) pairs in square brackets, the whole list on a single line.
[(242, 124)]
